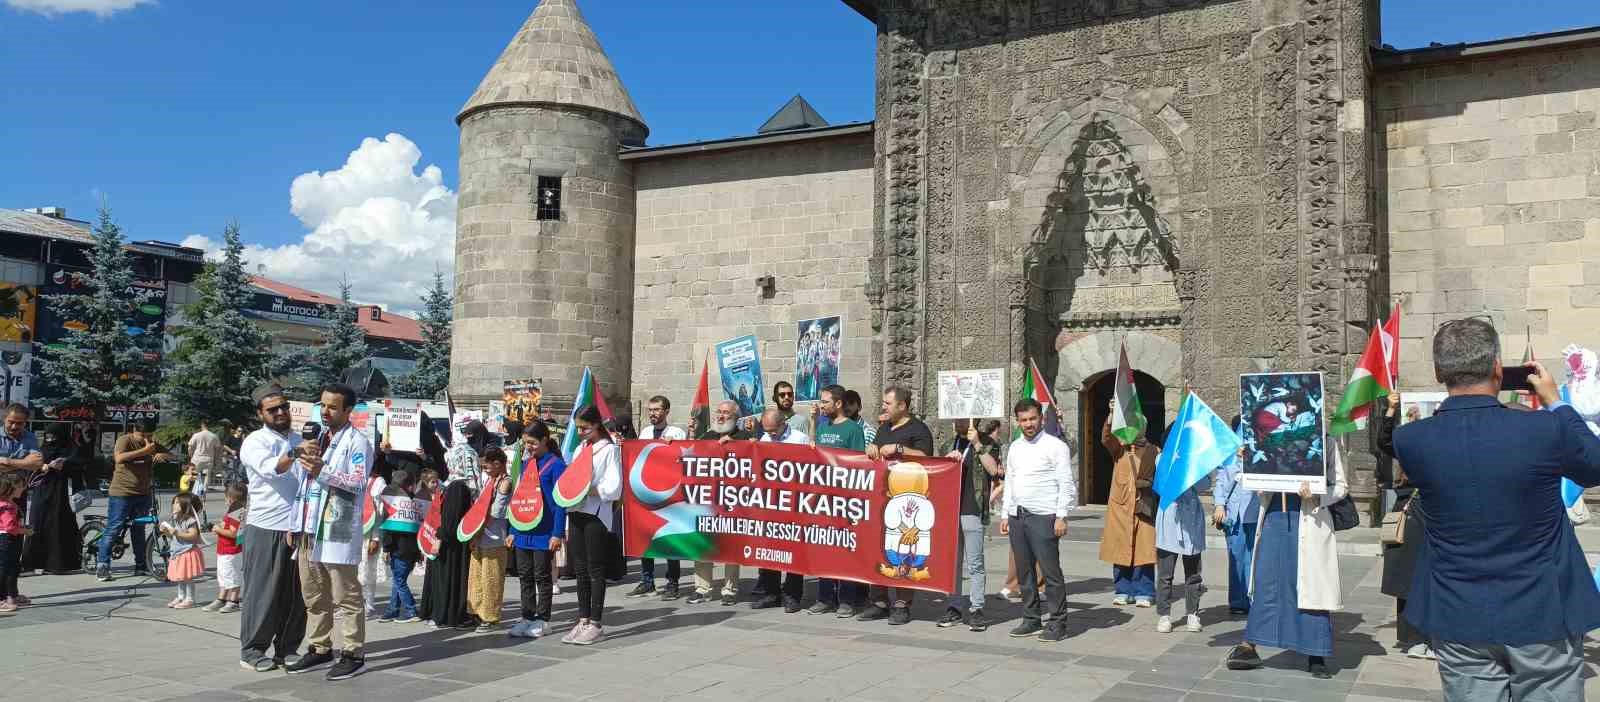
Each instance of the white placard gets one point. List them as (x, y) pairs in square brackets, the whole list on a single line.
[(972, 394)]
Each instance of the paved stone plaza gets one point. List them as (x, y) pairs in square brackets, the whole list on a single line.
[(64, 648)]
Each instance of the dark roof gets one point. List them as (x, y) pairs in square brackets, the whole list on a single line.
[(1401, 58), (831, 131), (45, 226), (795, 114)]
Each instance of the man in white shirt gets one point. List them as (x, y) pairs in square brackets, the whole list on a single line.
[(658, 408), (274, 461), (332, 542), (205, 452), (776, 429), (1039, 492)]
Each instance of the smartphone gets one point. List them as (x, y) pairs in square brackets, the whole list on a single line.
[(1516, 378)]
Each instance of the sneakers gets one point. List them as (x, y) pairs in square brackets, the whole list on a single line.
[(1423, 651), (1243, 658), (1120, 600), (184, 604), (642, 590), (976, 621), (899, 616), (790, 605), (486, 627), (264, 664), (591, 635), (348, 667), (1026, 629), (229, 608), (729, 600), (695, 598), (1143, 602), (572, 634), (951, 618), (408, 620), (1194, 624), (822, 608), (1164, 625), (1010, 596), (214, 606), (528, 629), (872, 613), (7, 606), (102, 572), (1053, 633), (766, 603), (669, 593), (1318, 668), (387, 618), (311, 659), (845, 611)]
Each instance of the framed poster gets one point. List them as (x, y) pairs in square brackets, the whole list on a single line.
[(816, 356), (521, 399), (972, 394), (1419, 405), (1285, 431), (739, 362)]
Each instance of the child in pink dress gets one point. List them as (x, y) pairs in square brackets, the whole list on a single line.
[(188, 563), (11, 533)]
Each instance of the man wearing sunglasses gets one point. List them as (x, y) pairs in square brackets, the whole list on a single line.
[(276, 462)]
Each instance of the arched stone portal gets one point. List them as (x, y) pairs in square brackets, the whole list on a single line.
[(1086, 361)]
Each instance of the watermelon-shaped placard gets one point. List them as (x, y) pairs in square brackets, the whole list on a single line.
[(428, 534), (573, 485), (477, 515), (371, 514), (527, 502)]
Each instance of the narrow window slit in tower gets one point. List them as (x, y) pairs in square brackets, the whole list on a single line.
[(549, 198)]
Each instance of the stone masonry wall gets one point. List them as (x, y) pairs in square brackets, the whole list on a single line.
[(710, 224), (1493, 179)]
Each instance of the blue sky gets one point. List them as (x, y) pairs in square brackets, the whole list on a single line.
[(188, 113)]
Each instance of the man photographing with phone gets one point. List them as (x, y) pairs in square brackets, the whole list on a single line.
[(1502, 587), (275, 462)]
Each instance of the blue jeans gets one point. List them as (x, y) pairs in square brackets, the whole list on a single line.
[(401, 604), (972, 566), (1241, 545), (1135, 581), (837, 592), (647, 571), (120, 513)]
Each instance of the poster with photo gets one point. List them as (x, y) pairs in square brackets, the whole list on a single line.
[(1419, 405), (16, 372), (521, 399), (1285, 431), (739, 362), (972, 394), (18, 312), (816, 356)]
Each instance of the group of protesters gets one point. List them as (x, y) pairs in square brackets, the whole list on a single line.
[(301, 562)]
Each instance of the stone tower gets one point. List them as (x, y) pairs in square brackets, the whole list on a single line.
[(545, 230)]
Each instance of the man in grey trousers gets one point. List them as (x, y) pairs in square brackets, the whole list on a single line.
[(276, 461)]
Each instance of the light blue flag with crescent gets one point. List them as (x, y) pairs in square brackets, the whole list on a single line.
[(1198, 443)]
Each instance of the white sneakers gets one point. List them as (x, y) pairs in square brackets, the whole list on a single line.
[(528, 629), (1164, 624), (1120, 600)]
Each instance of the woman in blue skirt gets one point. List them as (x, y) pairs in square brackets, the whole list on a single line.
[(1295, 576)]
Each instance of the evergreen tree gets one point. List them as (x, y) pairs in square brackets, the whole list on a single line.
[(342, 344), (222, 357), (432, 373), (100, 363)]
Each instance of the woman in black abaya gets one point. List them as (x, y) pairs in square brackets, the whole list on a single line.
[(444, 590), (54, 546)]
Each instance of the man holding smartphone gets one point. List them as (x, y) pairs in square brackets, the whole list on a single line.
[(273, 612)]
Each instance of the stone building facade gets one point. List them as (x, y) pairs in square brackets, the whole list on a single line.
[(1224, 186)]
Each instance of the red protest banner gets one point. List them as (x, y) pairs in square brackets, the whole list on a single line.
[(801, 509)]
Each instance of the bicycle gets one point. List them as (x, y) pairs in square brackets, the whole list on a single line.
[(156, 543)]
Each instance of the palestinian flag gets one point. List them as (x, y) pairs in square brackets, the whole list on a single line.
[(700, 409), (1034, 387), (588, 394), (1371, 380), (1127, 420), (660, 509)]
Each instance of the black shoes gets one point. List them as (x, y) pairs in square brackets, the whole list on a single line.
[(1026, 629), (697, 598), (102, 572), (899, 616), (1053, 633), (767, 603), (976, 621), (1318, 668), (348, 667), (642, 590), (790, 605), (951, 618), (872, 613), (1243, 658), (311, 659), (669, 593)]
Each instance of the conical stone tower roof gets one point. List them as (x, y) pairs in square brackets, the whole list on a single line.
[(555, 58)]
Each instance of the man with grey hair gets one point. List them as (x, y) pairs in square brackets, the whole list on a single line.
[(1503, 587), (724, 428), (775, 428)]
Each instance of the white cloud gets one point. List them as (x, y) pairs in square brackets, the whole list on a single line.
[(375, 220), (102, 8)]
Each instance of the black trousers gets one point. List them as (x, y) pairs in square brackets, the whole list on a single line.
[(273, 611), (1166, 568), (590, 548), (647, 571), (10, 565), (536, 572), (1035, 544), (793, 584)]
